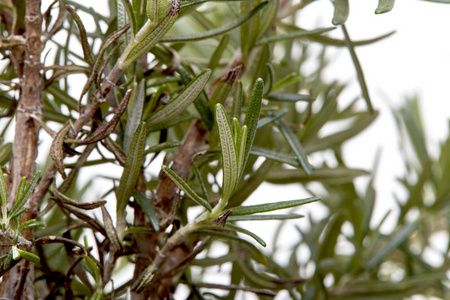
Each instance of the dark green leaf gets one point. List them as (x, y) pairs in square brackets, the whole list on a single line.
[(295, 145), (148, 209), (186, 188), (252, 117), (131, 171), (260, 208), (181, 102), (247, 232)]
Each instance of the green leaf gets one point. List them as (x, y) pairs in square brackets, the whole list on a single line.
[(214, 32), (180, 103), (135, 109), (148, 209), (275, 156), (385, 6), (288, 79), (4, 199), (264, 217), (93, 269), (26, 193), (131, 170), (268, 17), (241, 142), (161, 147), (337, 175), (290, 97), (260, 208), (186, 188), (247, 232), (259, 256), (295, 145), (215, 58), (224, 87), (148, 37), (5, 153), (30, 224), (393, 243), (229, 158), (238, 99), (272, 117), (299, 33), (341, 11), (359, 71), (252, 117)]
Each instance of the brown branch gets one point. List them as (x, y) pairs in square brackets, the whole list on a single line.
[(26, 141)]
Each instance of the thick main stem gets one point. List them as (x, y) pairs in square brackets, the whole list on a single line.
[(18, 283)]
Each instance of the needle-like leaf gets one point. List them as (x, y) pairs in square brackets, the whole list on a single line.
[(186, 188), (260, 208), (131, 171), (180, 103), (229, 158), (295, 145)]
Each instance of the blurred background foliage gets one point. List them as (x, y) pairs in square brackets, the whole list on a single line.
[(345, 254)]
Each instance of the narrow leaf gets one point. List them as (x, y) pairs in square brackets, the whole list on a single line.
[(214, 32), (181, 102), (263, 217), (111, 232), (148, 209), (290, 97), (238, 99), (224, 87), (247, 232), (186, 188), (252, 117), (359, 71), (260, 208), (276, 156), (393, 242), (288, 79), (56, 149), (161, 147), (87, 52), (30, 224), (4, 197), (82, 205), (271, 118), (148, 37), (105, 130), (26, 193), (131, 170), (229, 159), (134, 114), (339, 175), (233, 237), (215, 58), (295, 145)]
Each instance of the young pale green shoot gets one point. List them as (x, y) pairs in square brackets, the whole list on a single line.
[(23, 194)]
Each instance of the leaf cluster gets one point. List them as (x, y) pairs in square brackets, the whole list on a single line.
[(164, 79)]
